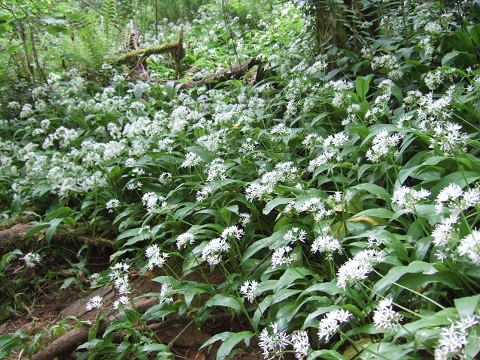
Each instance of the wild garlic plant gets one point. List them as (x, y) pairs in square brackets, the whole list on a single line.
[(338, 198)]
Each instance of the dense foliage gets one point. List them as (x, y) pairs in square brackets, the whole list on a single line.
[(338, 197)]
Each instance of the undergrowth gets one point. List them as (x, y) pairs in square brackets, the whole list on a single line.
[(338, 197)]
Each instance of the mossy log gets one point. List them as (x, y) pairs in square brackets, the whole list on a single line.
[(235, 71), (14, 238), (133, 56)]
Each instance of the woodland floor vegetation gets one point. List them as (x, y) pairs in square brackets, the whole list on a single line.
[(308, 187)]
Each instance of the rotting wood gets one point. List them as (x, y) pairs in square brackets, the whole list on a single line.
[(14, 238), (68, 342)]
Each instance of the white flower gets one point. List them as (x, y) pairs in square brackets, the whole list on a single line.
[(213, 251), (248, 289), (273, 344), (244, 219), (382, 145), (31, 259), (448, 196), (112, 204), (166, 292), (470, 246), (122, 301), (453, 339), (232, 232), (216, 170), (443, 232), (407, 197), (327, 244), (384, 317), (122, 285), (301, 344), (184, 239), (295, 234), (155, 257), (330, 324), (94, 303), (280, 256), (358, 267), (191, 159)]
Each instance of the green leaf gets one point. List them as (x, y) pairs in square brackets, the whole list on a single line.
[(290, 275), (362, 84), (163, 352), (397, 272), (475, 34), (225, 301), (447, 60), (229, 340), (51, 230), (35, 229), (326, 354), (374, 190), (466, 306), (7, 343), (272, 204), (58, 213)]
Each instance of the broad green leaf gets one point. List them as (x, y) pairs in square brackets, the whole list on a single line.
[(374, 189), (51, 230), (58, 213), (290, 275), (7, 343), (397, 272), (329, 288), (461, 178), (163, 352), (272, 204), (229, 340), (35, 229), (326, 354), (362, 84), (466, 306), (475, 34), (225, 301)]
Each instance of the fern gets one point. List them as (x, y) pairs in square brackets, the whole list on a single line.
[(110, 12)]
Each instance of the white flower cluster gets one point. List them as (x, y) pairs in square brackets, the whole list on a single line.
[(407, 197), (112, 205), (248, 289), (184, 239), (32, 259), (358, 267), (470, 247), (281, 256), (260, 189), (384, 317), (119, 275), (331, 151), (155, 257), (294, 235), (453, 339), (327, 244), (94, 303), (191, 159), (454, 199), (274, 343), (448, 138), (212, 253), (313, 205), (382, 145), (150, 201), (331, 323)]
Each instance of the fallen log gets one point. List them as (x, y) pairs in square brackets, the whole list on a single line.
[(14, 238), (235, 71), (68, 342)]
